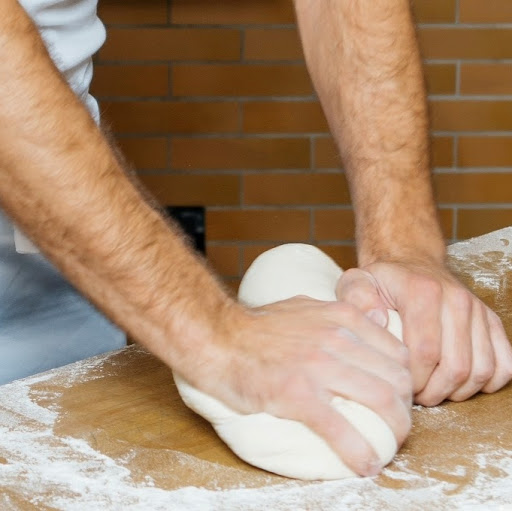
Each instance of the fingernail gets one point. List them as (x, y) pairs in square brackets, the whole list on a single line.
[(377, 316)]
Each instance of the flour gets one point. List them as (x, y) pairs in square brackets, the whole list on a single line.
[(494, 241), (488, 258), (32, 457)]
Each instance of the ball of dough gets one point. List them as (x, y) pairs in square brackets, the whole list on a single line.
[(284, 446)]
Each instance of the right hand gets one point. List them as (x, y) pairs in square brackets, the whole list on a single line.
[(292, 357)]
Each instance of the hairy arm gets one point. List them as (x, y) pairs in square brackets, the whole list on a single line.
[(364, 60), (90, 219), (116, 248), (367, 72)]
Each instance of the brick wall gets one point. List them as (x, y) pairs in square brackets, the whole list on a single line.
[(211, 101)]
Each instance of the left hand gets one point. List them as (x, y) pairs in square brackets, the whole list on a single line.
[(457, 345)]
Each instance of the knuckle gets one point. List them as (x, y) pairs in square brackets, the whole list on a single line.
[(429, 352), (403, 357), (346, 312), (404, 381), (360, 296), (317, 356), (295, 391), (494, 320), (344, 340), (356, 288), (483, 374), (501, 378), (385, 397), (459, 373), (350, 275), (461, 298), (427, 287)]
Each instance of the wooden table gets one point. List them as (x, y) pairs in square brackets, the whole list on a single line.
[(111, 433)]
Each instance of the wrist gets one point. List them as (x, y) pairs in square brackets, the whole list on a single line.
[(420, 242), (210, 342)]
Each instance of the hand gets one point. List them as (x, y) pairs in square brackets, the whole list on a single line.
[(292, 357), (457, 345)]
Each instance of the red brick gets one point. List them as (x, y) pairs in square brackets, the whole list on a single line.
[(171, 117), (239, 153), (232, 12), (280, 225), (295, 189), (471, 115), (334, 224), (471, 187), (130, 80), (490, 11), (344, 255), (240, 80), (133, 12), (440, 78), (284, 117), (485, 152), (181, 190), (486, 79), (434, 11), (467, 43), (171, 44), (475, 222), (145, 153), (225, 259), (272, 44)]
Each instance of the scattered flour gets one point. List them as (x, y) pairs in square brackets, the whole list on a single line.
[(494, 241), (37, 465)]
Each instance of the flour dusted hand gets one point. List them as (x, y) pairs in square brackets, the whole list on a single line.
[(289, 447)]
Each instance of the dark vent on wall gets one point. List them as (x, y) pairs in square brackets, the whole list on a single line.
[(191, 220)]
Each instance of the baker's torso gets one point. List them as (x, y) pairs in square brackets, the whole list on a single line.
[(44, 322)]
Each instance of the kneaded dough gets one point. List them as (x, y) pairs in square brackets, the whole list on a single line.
[(284, 446)]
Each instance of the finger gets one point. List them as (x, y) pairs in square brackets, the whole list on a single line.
[(362, 355), (351, 320), (456, 357), (360, 288), (343, 438), (502, 354), (421, 318), (378, 395), (483, 362), (382, 396)]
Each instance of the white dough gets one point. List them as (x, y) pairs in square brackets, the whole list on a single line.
[(278, 445)]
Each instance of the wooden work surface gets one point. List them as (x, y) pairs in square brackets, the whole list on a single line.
[(111, 433)]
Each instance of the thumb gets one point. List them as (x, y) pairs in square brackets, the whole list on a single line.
[(360, 288)]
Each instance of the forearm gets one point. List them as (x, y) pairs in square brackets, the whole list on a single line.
[(62, 184), (365, 64)]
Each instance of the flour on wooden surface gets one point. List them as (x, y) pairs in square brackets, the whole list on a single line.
[(34, 462), (495, 241), (495, 249)]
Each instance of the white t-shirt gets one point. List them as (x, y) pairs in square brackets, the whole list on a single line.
[(73, 33)]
